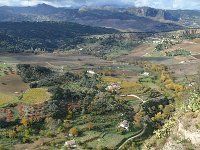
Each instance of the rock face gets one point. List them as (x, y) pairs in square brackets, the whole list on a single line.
[(155, 13), (173, 145), (194, 137), (185, 135)]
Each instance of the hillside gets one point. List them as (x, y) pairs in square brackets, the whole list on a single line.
[(149, 82), (188, 18), (99, 77), (19, 36), (118, 18), (126, 19)]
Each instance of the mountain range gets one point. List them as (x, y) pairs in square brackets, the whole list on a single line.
[(142, 19)]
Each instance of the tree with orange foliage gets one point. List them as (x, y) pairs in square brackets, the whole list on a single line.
[(24, 122), (89, 125), (73, 131)]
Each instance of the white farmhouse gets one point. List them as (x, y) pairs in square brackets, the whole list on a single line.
[(91, 72), (146, 74), (70, 144), (124, 124)]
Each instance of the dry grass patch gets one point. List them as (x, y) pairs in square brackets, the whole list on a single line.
[(12, 84), (197, 40)]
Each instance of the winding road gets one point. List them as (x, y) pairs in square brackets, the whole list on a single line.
[(133, 95), (134, 137), (144, 125)]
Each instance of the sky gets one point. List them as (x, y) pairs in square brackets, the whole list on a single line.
[(163, 4)]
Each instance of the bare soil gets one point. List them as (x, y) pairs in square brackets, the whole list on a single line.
[(188, 45), (12, 84)]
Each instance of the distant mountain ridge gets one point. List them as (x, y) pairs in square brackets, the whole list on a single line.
[(183, 17), (143, 19)]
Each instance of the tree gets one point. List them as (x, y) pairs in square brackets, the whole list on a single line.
[(52, 124), (58, 93), (53, 108), (158, 116), (12, 134), (73, 131), (70, 115), (89, 125), (167, 111), (103, 104), (24, 121), (138, 118)]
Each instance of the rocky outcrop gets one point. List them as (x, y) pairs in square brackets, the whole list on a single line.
[(173, 145), (193, 136)]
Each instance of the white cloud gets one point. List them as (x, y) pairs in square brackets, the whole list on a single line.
[(164, 4), (20, 2), (186, 4)]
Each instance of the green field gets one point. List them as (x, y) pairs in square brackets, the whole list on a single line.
[(7, 99), (37, 95)]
